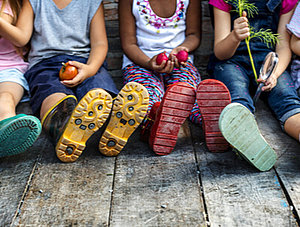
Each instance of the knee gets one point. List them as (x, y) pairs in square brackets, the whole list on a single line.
[(6, 96)]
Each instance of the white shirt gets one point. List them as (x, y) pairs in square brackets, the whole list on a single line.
[(155, 34)]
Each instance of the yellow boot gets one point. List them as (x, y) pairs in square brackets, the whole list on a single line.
[(128, 111)]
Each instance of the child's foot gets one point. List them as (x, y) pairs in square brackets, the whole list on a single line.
[(212, 97), (172, 112), (239, 128), (18, 133), (129, 109), (88, 116)]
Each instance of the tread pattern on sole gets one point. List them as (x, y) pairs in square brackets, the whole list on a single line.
[(88, 116), (212, 97), (175, 107), (19, 135), (239, 127), (129, 109)]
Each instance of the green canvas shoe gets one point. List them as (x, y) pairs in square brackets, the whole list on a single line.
[(239, 128), (18, 133)]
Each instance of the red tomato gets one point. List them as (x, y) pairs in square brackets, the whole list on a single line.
[(67, 72)]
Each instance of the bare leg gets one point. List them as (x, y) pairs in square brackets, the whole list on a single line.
[(10, 95), (49, 102), (292, 126)]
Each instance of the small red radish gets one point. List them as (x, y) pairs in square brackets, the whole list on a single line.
[(161, 57), (182, 56)]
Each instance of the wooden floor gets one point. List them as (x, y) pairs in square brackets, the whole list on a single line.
[(189, 187)]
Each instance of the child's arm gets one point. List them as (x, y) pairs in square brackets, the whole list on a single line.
[(295, 45), (99, 48), (129, 41), (20, 34), (227, 41), (282, 49), (193, 30)]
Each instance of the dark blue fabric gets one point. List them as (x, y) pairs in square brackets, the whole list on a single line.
[(237, 74), (43, 81)]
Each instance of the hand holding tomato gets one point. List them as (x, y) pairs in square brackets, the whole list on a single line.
[(67, 71), (84, 71)]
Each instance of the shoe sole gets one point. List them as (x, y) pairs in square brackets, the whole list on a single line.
[(129, 109), (19, 135), (212, 97), (88, 116), (239, 128), (175, 108)]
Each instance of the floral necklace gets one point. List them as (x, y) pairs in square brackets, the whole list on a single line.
[(159, 22)]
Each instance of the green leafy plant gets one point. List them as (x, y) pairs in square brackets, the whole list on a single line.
[(265, 35)]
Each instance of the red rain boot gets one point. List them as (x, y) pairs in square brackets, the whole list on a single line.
[(212, 97), (175, 107)]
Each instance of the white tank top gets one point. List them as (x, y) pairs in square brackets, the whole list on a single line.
[(156, 34)]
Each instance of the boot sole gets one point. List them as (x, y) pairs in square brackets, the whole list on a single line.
[(19, 135), (212, 97), (239, 128), (88, 116), (129, 109), (173, 111)]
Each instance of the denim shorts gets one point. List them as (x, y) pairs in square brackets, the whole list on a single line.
[(282, 99), (44, 81), (16, 76)]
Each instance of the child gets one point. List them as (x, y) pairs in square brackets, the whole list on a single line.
[(74, 32), (232, 67), (148, 28), (293, 28), (17, 132)]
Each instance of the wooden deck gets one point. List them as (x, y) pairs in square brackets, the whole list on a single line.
[(189, 187)]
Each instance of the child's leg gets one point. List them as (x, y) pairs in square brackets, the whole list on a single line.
[(10, 95), (191, 76), (50, 102), (285, 103), (236, 121), (237, 81), (292, 126)]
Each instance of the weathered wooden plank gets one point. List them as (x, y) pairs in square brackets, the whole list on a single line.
[(236, 193), (62, 194), (153, 190), (15, 172), (288, 164)]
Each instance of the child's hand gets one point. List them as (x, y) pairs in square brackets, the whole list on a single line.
[(241, 27), (83, 73), (173, 58), (270, 83), (164, 67)]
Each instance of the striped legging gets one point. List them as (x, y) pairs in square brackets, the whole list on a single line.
[(157, 83)]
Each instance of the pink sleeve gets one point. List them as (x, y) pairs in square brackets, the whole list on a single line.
[(220, 4), (7, 9), (287, 6)]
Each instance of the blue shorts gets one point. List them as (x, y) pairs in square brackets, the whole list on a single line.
[(15, 76), (43, 81)]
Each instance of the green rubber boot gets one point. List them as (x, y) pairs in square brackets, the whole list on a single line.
[(18, 133), (239, 128)]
